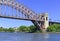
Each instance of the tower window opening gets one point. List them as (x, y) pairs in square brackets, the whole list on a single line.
[(46, 18)]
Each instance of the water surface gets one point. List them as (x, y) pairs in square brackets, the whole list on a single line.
[(28, 37)]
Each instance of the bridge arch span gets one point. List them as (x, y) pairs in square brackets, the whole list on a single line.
[(20, 7), (38, 20)]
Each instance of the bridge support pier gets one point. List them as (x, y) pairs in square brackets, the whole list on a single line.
[(42, 25)]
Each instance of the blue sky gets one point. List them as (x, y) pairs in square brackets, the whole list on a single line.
[(38, 6)]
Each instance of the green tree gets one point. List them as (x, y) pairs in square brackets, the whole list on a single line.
[(32, 28), (22, 28), (5, 30), (1, 29), (11, 30), (54, 28), (58, 28)]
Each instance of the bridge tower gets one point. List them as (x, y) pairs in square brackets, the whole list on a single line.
[(45, 23)]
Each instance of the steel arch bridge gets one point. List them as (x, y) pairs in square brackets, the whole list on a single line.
[(39, 20)]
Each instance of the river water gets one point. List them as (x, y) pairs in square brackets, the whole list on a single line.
[(29, 37)]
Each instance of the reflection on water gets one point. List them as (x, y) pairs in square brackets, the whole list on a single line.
[(40, 37), (45, 36), (29, 37)]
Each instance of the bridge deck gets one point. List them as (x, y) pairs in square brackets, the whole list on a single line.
[(13, 17), (54, 22)]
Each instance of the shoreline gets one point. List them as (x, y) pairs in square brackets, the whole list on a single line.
[(53, 32), (37, 32)]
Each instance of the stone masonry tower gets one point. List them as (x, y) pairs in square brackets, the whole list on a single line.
[(45, 24)]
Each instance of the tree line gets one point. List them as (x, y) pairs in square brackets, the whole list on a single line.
[(54, 28), (31, 29), (22, 28)]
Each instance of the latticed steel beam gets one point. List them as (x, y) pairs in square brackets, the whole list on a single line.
[(21, 8)]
